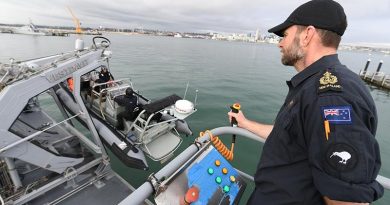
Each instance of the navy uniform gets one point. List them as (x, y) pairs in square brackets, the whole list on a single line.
[(300, 163), (105, 76), (130, 102), (323, 141)]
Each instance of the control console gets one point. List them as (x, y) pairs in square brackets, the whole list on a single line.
[(207, 178)]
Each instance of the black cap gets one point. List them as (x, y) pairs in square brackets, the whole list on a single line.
[(323, 14)]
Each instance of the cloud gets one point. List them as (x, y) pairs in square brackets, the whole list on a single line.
[(366, 18)]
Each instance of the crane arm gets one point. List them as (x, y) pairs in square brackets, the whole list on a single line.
[(75, 20)]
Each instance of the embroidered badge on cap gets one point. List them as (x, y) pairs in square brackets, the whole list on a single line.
[(341, 157), (329, 82), (337, 114)]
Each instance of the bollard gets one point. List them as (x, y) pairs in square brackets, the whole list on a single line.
[(377, 71), (367, 64), (379, 66), (366, 67)]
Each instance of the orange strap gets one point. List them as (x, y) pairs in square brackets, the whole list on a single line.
[(70, 84)]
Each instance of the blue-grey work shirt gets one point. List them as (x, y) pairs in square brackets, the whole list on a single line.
[(300, 163)]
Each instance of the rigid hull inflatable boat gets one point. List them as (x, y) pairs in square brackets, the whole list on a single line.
[(57, 122)]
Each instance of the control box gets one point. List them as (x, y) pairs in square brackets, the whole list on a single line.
[(207, 178)]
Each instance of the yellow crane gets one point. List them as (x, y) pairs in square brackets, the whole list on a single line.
[(76, 21)]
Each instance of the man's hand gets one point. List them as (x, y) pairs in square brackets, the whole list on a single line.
[(240, 118), (262, 130), (333, 202)]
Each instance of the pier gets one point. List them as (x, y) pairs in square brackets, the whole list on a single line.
[(377, 78)]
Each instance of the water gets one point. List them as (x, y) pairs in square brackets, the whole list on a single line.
[(223, 72)]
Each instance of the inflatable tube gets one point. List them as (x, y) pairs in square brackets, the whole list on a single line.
[(180, 125), (124, 150)]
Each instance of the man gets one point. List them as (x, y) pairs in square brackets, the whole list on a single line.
[(321, 148), (129, 101), (104, 75)]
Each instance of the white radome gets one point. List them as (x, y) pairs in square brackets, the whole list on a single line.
[(184, 106)]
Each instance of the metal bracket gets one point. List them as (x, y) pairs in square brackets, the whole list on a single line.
[(156, 184), (70, 174), (103, 167)]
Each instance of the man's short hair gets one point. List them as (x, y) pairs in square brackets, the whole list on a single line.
[(328, 38)]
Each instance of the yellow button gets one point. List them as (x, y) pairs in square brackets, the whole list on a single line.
[(232, 179), (217, 163), (224, 171)]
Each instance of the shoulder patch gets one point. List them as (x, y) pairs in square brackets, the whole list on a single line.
[(337, 114), (341, 157), (328, 82)]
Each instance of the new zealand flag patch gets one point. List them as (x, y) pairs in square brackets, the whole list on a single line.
[(337, 114)]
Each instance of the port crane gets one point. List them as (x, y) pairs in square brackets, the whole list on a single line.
[(76, 21)]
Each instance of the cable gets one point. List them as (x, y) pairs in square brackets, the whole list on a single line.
[(220, 147), (235, 109), (218, 144)]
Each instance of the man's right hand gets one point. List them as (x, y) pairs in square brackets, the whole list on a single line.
[(262, 130), (240, 118)]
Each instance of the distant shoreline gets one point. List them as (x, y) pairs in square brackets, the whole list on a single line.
[(359, 46)]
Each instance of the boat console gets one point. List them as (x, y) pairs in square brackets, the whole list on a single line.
[(207, 178)]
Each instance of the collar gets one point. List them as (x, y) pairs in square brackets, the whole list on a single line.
[(321, 64)]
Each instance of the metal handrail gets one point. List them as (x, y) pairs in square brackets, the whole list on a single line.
[(111, 82), (147, 188), (36, 134)]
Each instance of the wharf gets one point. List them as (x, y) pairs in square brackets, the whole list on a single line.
[(377, 78), (55, 32)]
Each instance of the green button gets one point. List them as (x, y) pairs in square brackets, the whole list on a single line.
[(210, 171), (226, 189), (218, 180)]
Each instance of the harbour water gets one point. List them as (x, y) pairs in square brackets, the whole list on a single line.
[(223, 72)]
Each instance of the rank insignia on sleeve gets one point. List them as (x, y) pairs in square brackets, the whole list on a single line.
[(329, 82), (337, 114)]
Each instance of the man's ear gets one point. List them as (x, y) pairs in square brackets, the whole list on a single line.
[(307, 35)]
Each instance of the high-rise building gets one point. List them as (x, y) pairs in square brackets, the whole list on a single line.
[(258, 36)]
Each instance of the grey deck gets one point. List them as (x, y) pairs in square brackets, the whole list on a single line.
[(113, 191)]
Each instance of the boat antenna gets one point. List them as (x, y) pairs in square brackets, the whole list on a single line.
[(196, 96), (131, 84), (185, 93)]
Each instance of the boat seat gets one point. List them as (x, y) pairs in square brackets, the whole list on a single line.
[(162, 147), (158, 141), (161, 104), (155, 132)]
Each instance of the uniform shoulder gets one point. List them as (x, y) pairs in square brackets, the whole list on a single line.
[(329, 81), (344, 82)]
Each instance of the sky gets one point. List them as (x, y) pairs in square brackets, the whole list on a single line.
[(368, 20)]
